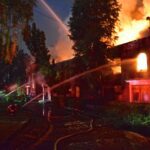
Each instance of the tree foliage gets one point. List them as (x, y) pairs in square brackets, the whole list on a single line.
[(92, 27), (35, 41), (17, 11), (14, 72), (14, 15)]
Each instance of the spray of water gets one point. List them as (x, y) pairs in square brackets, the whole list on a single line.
[(127, 61), (88, 72), (53, 14), (15, 90), (62, 49), (33, 99)]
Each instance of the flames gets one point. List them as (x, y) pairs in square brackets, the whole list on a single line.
[(133, 22), (142, 62), (132, 25)]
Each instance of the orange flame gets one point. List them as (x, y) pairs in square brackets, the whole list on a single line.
[(142, 62), (133, 23)]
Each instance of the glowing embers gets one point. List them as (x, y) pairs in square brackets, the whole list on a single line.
[(142, 62)]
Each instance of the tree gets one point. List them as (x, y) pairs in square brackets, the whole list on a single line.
[(13, 17), (35, 41), (14, 72), (92, 27), (18, 67)]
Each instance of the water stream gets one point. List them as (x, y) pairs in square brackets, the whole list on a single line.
[(55, 16), (65, 28), (69, 80)]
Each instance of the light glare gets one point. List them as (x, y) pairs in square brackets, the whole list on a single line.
[(142, 62)]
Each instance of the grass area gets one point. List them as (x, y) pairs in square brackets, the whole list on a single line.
[(134, 117)]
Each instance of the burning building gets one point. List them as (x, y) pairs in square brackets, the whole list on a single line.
[(135, 69), (128, 78)]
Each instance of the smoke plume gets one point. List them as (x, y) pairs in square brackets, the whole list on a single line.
[(59, 44), (63, 48)]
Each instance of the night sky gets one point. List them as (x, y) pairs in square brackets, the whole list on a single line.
[(61, 7), (47, 23)]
